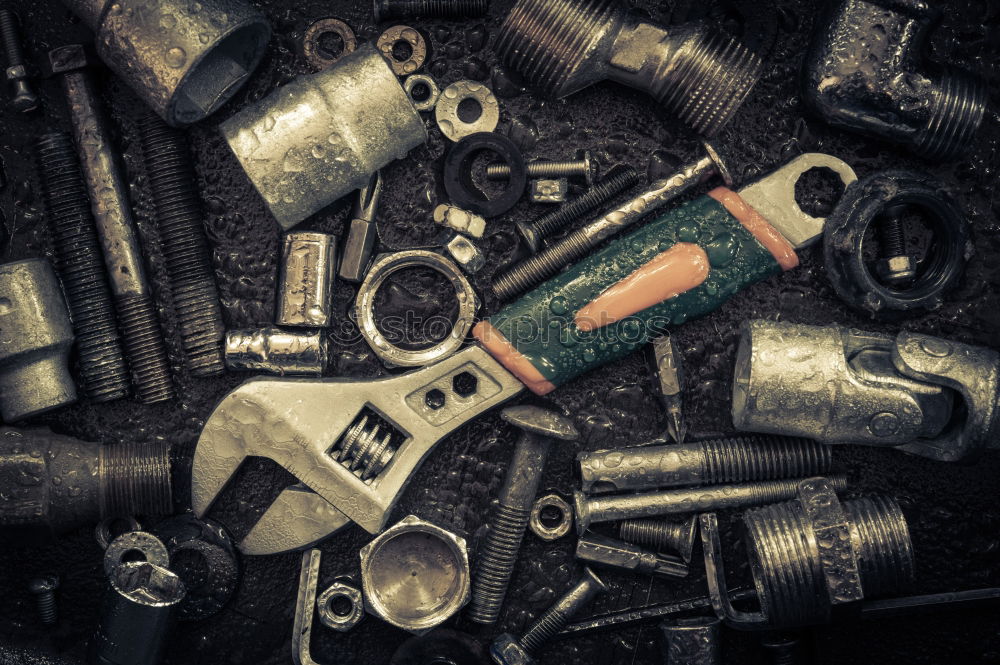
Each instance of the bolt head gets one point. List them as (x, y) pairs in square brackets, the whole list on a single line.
[(69, 58), (506, 650), (590, 170), (580, 512), (897, 268), (720, 164), (24, 99), (45, 584), (542, 422), (530, 236)]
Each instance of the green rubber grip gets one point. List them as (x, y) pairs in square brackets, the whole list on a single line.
[(540, 325)]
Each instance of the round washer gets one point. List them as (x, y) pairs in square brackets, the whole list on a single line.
[(539, 528), (403, 33), (333, 620), (458, 173), (381, 269), (102, 532), (324, 26), (151, 548), (433, 91), (446, 111)]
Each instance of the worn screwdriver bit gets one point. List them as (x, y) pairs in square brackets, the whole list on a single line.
[(668, 374)]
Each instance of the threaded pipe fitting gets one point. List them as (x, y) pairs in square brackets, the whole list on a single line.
[(496, 563), (390, 9), (562, 46), (81, 270), (185, 246), (135, 480), (957, 111), (886, 556), (144, 345)]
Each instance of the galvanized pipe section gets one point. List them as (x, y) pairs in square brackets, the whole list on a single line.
[(693, 641), (276, 351), (306, 280)]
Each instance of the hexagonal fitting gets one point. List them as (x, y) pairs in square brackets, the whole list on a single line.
[(507, 650), (329, 615), (896, 268), (414, 558), (466, 254), (68, 58)]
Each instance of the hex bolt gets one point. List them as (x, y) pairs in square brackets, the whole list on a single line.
[(506, 529), (661, 535), (24, 99), (583, 167), (81, 270), (895, 265), (44, 590), (617, 180), (507, 650), (116, 229), (180, 220), (390, 9), (577, 244), (685, 501)]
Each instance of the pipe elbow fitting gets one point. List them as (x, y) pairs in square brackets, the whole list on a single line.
[(563, 46), (866, 72)]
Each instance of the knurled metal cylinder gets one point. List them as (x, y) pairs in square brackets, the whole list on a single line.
[(693, 641), (390, 9), (81, 270), (185, 246), (558, 616)]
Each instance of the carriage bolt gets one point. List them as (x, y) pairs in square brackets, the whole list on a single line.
[(584, 167), (693, 500), (25, 99), (661, 535), (693, 641), (44, 590), (593, 548), (576, 245), (712, 462), (116, 229), (506, 529)]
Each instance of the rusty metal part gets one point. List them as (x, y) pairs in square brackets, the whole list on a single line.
[(538, 522), (548, 191), (465, 254), (35, 341), (80, 264), (180, 221), (866, 72), (276, 351), (413, 84), (814, 559), (693, 641), (136, 615), (668, 378), (313, 51), (343, 451), (108, 481), (711, 462), (362, 232), (498, 553), (562, 46), (300, 150), (24, 98), (306, 280), (613, 508), (446, 111), (385, 266), (925, 395), (184, 60), (596, 549), (402, 34), (509, 650), (661, 535), (116, 228), (334, 618), (584, 168), (44, 591), (415, 575), (135, 546), (451, 9)]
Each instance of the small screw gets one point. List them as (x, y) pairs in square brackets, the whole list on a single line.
[(895, 265), (584, 167), (44, 590), (25, 98), (661, 535)]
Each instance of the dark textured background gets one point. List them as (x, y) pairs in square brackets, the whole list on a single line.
[(952, 509)]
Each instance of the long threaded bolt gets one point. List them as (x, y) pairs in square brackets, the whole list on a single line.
[(81, 270), (506, 529), (712, 462), (116, 228), (389, 9), (44, 590), (661, 535), (24, 98), (577, 244), (681, 502), (583, 167), (185, 246), (618, 179), (507, 650)]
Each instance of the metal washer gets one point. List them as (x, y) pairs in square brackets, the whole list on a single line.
[(446, 111), (385, 266), (338, 622), (433, 91), (151, 548), (324, 26), (403, 33)]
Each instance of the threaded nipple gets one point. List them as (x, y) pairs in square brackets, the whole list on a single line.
[(958, 111), (135, 480), (885, 560)]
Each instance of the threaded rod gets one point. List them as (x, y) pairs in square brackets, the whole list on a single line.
[(496, 563)]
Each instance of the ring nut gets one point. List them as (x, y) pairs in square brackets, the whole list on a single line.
[(146, 544), (446, 112), (102, 532), (537, 524), (313, 51), (458, 179), (433, 91), (335, 620), (403, 33), (385, 266)]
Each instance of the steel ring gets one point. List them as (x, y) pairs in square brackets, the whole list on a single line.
[(334, 620), (433, 91), (102, 532), (539, 528), (310, 42), (403, 33), (149, 546), (385, 266), (446, 111)]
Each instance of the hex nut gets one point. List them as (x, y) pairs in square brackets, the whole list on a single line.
[(69, 58), (897, 268), (506, 650), (415, 558), (334, 620), (433, 91), (466, 254), (829, 522), (543, 531)]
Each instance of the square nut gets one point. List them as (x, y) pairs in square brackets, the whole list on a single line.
[(549, 191), (466, 254), (67, 58), (462, 221)]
